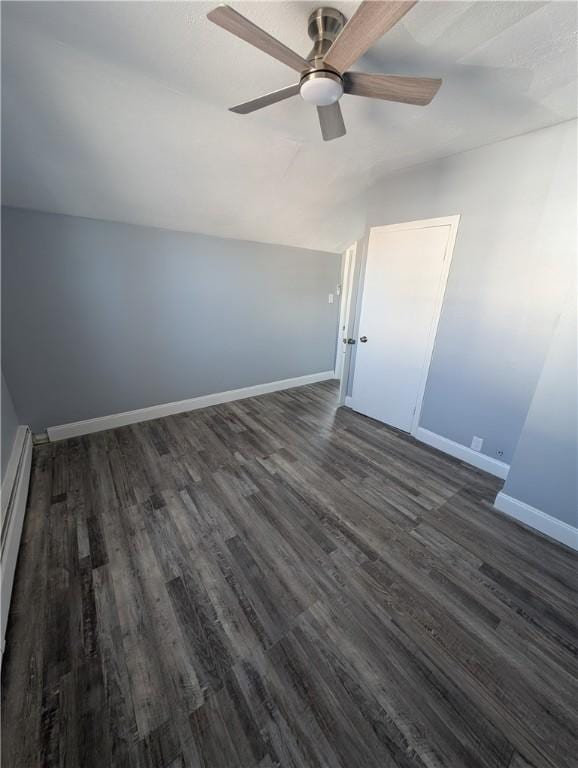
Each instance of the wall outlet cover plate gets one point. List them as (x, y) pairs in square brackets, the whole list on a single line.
[(477, 443)]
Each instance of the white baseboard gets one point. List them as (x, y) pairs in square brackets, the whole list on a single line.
[(14, 495), (459, 451), (86, 427), (462, 452), (535, 518)]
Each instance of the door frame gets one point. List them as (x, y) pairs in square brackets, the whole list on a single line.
[(347, 279), (441, 221)]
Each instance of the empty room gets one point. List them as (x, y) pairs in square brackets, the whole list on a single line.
[(289, 405)]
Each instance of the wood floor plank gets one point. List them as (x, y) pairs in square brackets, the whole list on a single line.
[(276, 582)]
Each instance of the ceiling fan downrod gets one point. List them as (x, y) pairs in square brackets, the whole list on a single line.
[(323, 27)]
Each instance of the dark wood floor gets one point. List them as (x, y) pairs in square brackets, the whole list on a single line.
[(274, 582)]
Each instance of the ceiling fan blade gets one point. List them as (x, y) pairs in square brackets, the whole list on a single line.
[(238, 25), (266, 100), (370, 21), (409, 90), (331, 121)]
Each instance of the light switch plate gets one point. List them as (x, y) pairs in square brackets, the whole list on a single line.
[(330, 299)]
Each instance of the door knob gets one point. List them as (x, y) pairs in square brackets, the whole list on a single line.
[(363, 339)]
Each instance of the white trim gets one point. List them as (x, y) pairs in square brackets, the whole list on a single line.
[(338, 367), (462, 452), (345, 321), (348, 401), (344, 286), (535, 518), (9, 479), (86, 427), (14, 497), (439, 221)]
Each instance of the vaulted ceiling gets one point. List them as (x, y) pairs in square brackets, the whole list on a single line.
[(119, 110)]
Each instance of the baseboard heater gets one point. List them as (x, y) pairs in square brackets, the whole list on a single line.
[(14, 496)]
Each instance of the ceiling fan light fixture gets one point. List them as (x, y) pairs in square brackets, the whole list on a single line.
[(321, 88)]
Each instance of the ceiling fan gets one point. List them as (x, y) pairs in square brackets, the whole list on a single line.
[(337, 44)]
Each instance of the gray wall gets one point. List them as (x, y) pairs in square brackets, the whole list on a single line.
[(100, 317), (514, 255), (544, 471), (8, 427)]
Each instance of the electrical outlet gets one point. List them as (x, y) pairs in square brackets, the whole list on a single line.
[(477, 443), (499, 453)]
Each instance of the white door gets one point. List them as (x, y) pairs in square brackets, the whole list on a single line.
[(344, 349), (405, 278)]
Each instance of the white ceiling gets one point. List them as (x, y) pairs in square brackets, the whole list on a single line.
[(119, 110)]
